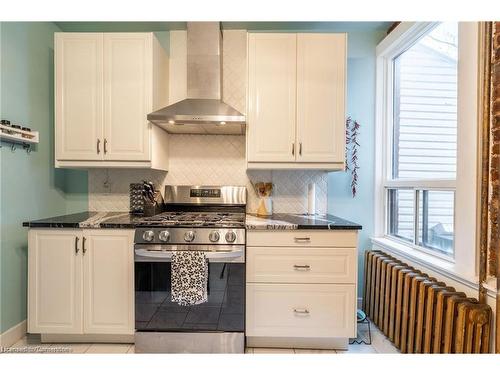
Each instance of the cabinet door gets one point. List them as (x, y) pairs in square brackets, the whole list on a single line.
[(108, 281), (321, 72), (54, 281), (79, 94), (271, 97), (301, 310), (127, 92)]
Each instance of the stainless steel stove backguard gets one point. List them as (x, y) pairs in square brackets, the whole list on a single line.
[(206, 194)]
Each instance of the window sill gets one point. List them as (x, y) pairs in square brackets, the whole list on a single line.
[(438, 265)]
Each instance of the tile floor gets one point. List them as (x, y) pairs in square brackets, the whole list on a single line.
[(380, 344)]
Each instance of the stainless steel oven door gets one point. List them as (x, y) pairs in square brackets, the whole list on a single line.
[(214, 254), (158, 318)]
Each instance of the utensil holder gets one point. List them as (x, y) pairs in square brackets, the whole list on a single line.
[(265, 207)]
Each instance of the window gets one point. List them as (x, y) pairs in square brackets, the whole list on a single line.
[(428, 112), (422, 160)]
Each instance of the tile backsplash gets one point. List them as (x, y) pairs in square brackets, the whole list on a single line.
[(208, 160), (211, 159)]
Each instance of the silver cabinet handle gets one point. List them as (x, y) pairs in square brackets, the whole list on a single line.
[(300, 148), (105, 146), (302, 239), (76, 245), (293, 148), (98, 146), (301, 311), (83, 245), (302, 267)]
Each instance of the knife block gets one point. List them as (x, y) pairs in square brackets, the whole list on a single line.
[(151, 209), (136, 196)]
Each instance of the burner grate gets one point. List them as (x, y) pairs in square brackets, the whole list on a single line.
[(196, 219)]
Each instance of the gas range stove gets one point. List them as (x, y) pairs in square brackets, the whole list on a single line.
[(208, 219), (212, 215)]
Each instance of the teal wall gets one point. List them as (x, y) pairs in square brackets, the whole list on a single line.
[(361, 107), (30, 186)]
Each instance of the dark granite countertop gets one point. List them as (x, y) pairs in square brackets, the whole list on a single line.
[(91, 219), (296, 221), (87, 219)]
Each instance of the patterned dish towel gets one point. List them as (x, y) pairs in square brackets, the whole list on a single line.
[(189, 277)]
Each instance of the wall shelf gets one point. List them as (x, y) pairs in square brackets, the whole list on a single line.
[(16, 135)]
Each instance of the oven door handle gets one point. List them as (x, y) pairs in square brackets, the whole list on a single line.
[(167, 255)]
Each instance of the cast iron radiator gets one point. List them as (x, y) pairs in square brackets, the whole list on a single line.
[(420, 314)]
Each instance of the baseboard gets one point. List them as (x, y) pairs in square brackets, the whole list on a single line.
[(13, 335), (298, 342), (93, 338)]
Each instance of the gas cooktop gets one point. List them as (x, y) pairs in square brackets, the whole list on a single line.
[(195, 219), (196, 215)]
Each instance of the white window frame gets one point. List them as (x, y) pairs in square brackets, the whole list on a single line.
[(464, 262)]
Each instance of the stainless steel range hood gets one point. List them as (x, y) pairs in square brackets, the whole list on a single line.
[(203, 112)]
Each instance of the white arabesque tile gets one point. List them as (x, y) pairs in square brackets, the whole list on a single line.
[(209, 160), (212, 159)]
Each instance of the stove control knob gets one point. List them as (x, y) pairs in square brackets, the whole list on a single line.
[(164, 236), (230, 236), (214, 236), (189, 236), (148, 235)]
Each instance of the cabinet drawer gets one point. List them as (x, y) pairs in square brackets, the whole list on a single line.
[(310, 238), (301, 265), (301, 310)]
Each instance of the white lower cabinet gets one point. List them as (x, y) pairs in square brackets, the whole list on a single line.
[(108, 275), (301, 310), (301, 265), (54, 281), (80, 281), (301, 285)]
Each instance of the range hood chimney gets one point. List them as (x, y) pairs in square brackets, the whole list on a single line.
[(203, 112)]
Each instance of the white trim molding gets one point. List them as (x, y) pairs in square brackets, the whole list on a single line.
[(13, 335), (466, 183), (440, 266)]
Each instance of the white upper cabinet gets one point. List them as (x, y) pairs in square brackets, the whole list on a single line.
[(79, 96), (127, 96), (321, 67), (106, 84), (296, 101), (271, 92)]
